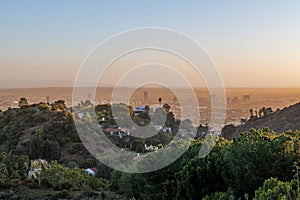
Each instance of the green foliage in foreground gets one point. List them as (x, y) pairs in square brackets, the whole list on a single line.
[(13, 173), (273, 189), (228, 195), (258, 155), (62, 178), (258, 164)]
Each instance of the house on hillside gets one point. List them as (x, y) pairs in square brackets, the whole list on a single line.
[(120, 132), (167, 130), (91, 171), (36, 167), (139, 109), (81, 115), (150, 147), (183, 132)]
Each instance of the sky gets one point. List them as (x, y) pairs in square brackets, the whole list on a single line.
[(252, 43)]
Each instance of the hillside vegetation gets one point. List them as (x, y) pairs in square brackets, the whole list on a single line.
[(279, 121), (259, 164)]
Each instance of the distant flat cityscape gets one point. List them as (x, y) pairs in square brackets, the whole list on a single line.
[(239, 100)]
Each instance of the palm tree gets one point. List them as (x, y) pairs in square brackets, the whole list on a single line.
[(251, 112), (159, 100)]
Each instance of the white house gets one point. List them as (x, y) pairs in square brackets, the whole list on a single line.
[(151, 147), (167, 129), (91, 171), (117, 131), (139, 109)]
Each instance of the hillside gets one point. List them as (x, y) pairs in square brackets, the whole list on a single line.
[(242, 167), (41, 131), (47, 131), (279, 121)]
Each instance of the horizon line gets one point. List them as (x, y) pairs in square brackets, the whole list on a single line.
[(153, 87)]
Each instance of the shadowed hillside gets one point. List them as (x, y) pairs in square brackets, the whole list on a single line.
[(279, 121)]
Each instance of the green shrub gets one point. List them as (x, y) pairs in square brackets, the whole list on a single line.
[(45, 183), (63, 178), (103, 195), (258, 155), (63, 185), (273, 189), (220, 196), (5, 183)]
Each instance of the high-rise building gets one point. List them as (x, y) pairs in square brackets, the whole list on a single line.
[(228, 100), (246, 98), (145, 95), (235, 100)]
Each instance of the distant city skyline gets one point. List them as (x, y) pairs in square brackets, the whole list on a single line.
[(254, 44)]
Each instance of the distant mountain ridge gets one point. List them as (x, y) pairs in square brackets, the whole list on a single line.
[(279, 121)]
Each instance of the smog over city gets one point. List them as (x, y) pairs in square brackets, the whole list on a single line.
[(139, 100)]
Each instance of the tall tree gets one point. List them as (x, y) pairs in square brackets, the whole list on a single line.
[(23, 102)]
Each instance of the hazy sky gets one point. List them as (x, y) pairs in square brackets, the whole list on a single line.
[(253, 43)]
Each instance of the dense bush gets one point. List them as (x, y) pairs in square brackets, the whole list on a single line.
[(232, 170), (61, 178), (273, 189), (199, 177), (258, 155)]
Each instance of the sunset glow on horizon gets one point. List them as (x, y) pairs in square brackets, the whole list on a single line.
[(254, 44)]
